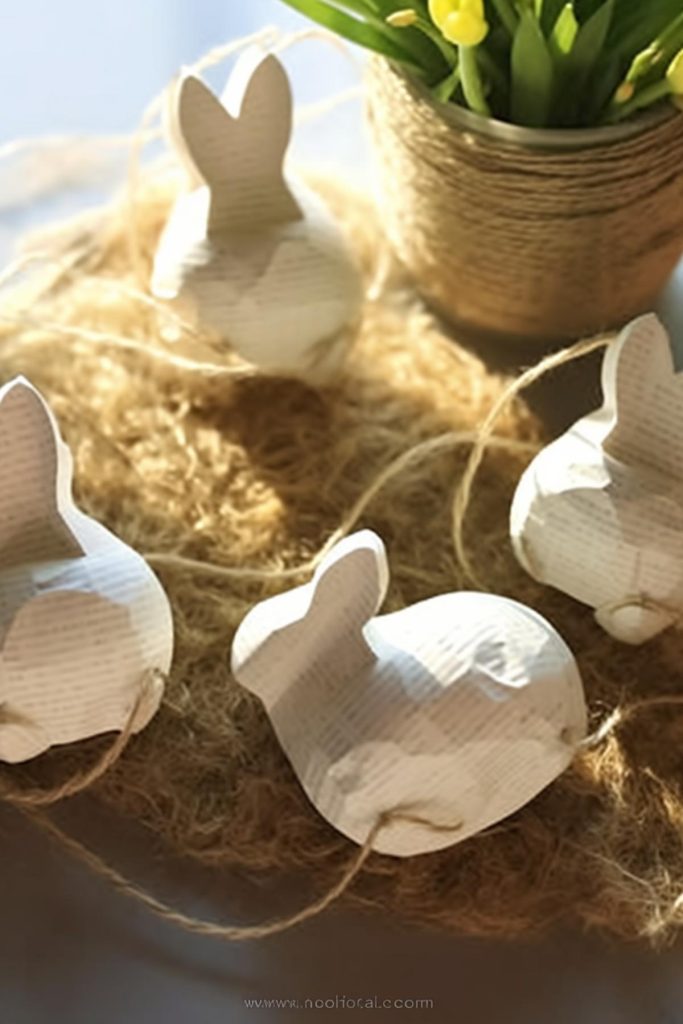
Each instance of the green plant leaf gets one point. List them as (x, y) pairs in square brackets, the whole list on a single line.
[(355, 30), (590, 41), (585, 9), (506, 14), (548, 13), (603, 84), (444, 89), (579, 66), (374, 13), (637, 22), (532, 74), (564, 33)]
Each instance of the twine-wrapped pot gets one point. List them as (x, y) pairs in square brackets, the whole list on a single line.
[(546, 234)]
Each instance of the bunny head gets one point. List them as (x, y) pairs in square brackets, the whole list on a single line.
[(599, 512), (85, 627), (257, 255), (283, 638), (643, 400), (451, 714)]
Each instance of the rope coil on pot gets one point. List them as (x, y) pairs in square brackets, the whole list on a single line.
[(525, 240)]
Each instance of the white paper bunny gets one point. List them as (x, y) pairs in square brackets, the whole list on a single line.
[(456, 711), (599, 512), (259, 254), (84, 623)]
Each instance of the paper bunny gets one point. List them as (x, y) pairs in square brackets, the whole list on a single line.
[(599, 512), (83, 621), (456, 711), (259, 254)]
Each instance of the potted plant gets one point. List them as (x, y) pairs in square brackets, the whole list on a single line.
[(530, 156)]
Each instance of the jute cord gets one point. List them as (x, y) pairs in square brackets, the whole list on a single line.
[(28, 802), (82, 780)]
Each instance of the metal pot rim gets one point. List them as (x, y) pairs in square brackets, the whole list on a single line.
[(552, 139)]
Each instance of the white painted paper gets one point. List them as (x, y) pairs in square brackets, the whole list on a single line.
[(84, 622), (599, 512), (258, 254), (457, 711)]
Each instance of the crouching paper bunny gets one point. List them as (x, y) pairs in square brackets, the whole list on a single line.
[(599, 512), (84, 623), (452, 713), (258, 254)]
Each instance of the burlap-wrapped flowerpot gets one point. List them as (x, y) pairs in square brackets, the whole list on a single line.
[(542, 234)]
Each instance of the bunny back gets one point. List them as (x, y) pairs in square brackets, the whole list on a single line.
[(285, 299), (456, 711), (77, 645)]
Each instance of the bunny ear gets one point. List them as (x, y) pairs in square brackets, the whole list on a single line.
[(643, 395), (200, 128), (259, 94), (252, 189), (352, 581), (285, 640), (35, 480)]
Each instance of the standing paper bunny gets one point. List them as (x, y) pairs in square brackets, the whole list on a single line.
[(259, 254), (599, 512), (84, 623), (452, 713)]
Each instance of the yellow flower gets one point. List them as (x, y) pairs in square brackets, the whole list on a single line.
[(402, 19), (674, 75), (460, 21)]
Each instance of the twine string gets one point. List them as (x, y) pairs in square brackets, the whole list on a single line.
[(210, 929), (242, 933), (229, 932), (623, 714), (395, 468), (463, 494), (82, 780)]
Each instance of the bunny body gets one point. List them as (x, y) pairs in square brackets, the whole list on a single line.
[(259, 255), (599, 512), (456, 711), (83, 620)]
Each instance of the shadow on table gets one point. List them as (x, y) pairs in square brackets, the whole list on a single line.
[(75, 951)]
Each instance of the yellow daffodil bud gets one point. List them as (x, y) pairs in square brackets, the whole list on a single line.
[(440, 9), (674, 75), (402, 19), (460, 21), (625, 92), (464, 29)]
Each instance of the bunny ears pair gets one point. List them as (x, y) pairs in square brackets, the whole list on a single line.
[(254, 251)]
